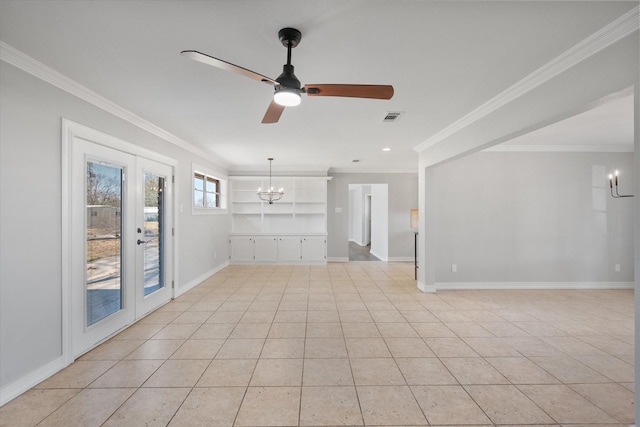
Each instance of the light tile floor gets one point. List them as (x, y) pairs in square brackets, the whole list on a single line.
[(351, 344)]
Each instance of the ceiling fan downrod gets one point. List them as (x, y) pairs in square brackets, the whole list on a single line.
[(290, 38)]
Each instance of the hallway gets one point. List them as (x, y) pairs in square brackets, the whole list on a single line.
[(360, 253)]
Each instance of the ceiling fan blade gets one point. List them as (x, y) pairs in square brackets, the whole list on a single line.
[(210, 60), (351, 91), (273, 113)]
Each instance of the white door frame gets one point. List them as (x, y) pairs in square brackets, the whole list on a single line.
[(71, 131), (85, 336), (367, 219)]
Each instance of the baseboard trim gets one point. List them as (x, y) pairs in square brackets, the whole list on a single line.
[(381, 258), (443, 286), (25, 383), (195, 282), (401, 259), (426, 289), (338, 259)]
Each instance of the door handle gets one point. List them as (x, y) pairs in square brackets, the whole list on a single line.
[(142, 241)]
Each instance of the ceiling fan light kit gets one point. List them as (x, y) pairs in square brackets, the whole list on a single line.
[(287, 97), (287, 88)]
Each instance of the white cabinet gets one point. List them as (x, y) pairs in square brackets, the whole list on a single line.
[(313, 248), (278, 249), (241, 249), (265, 248), (289, 248)]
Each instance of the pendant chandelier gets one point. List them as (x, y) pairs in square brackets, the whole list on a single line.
[(270, 195)]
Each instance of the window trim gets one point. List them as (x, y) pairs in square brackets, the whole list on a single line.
[(209, 175)]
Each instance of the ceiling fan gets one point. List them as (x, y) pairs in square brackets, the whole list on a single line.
[(287, 87)]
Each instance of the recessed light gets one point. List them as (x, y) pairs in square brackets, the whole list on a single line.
[(386, 149)]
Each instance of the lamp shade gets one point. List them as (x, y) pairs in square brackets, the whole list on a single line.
[(414, 218)]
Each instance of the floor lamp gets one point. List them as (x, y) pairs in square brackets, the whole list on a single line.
[(414, 227)]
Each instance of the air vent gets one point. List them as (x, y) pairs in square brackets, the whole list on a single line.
[(393, 116), (355, 160)]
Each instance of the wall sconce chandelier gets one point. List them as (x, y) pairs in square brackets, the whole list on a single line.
[(617, 195), (270, 195)]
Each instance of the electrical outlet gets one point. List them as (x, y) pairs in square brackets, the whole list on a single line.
[(215, 255), (454, 268), (617, 268)]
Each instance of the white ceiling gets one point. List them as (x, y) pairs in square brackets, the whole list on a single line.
[(443, 58), (606, 127)]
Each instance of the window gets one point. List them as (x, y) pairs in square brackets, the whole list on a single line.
[(207, 191)]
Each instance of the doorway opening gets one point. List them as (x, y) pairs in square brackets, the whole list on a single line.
[(119, 219), (368, 222)]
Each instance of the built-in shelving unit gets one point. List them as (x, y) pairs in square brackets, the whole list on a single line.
[(292, 229)]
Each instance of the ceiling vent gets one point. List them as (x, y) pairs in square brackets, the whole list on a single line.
[(393, 116), (355, 160)]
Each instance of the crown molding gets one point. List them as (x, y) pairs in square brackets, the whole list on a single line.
[(373, 171), (26, 63), (611, 148), (606, 36)]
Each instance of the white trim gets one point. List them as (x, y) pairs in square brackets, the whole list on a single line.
[(180, 290), (71, 130), (338, 259), (606, 36), (36, 68), (33, 378), (381, 258), (310, 171), (224, 190), (283, 177), (65, 244), (613, 148), (442, 286), (92, 135), (426, 289), (394, 171), (401, 259)]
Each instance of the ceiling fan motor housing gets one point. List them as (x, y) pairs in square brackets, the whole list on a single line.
[(287, 78)]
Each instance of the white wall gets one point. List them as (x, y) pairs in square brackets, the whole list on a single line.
[(403, 196), (532, 219), (356, 210), (31, 112), (380, 221)]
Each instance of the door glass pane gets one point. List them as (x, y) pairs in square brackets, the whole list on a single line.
[(104, 241), (153, 233)]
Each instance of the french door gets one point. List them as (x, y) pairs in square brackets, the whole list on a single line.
[(121, 245)]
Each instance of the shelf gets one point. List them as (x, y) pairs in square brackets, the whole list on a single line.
[(302, 211)]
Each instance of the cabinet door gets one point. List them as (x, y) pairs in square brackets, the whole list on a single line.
[(313, 248), (241, 248), (266, 248), (288, 248)]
